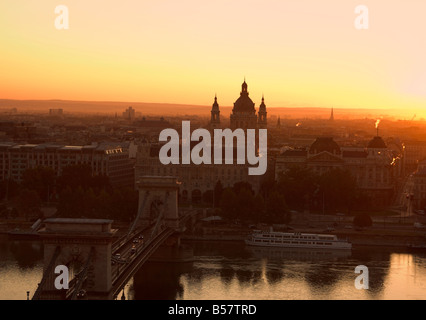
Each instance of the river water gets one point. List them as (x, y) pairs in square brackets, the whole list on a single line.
[(230, 270)]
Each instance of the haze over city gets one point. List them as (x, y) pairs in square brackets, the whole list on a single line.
[(296, 53)]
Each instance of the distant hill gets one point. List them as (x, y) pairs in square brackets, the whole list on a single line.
[(166, 109)]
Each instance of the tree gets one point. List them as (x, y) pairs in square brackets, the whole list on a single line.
[(259, 208), (41, 180), (245, 205), (72, 203), (242, 185), (297, 185), (28, 203), (218, 189), (81, 176), (208, 197), (228, 203), (363, 220), (124, 204), (267, 186), (276, 209), (338, 189), (9, 189)]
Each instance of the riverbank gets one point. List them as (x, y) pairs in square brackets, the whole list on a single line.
[(369, 237), (394, 236)]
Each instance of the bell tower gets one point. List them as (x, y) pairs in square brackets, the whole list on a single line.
[(262, 115), (215, 115)]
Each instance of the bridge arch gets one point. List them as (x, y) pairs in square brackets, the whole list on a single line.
[(84, 245), (160, 192)]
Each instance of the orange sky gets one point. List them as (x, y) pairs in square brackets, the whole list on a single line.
[(296, 52)]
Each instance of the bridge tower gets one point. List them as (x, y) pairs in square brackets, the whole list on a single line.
[(158, 195), (84, 246)]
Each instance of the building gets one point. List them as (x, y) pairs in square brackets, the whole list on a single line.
[(104, 159), (129, 114), (215, 115), (262, 115), (151, 126), (374, 167), (56, 112), (419, 186), (244, 113), (413, 151), (195, 180)]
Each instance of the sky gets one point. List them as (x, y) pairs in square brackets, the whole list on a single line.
[(295, 52)]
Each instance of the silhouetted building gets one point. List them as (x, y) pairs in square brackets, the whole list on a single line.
[(262, 119), (215, 115), (195, 180), (152, 126), (374, 167), (244, 113), (56, 112), (104, 159), (413, 152), (419, 186), (129, 114)]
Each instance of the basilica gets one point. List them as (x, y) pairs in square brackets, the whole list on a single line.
[(197, 180), (243, 113)]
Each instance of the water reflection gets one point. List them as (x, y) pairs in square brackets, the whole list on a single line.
[(301, 254), (322, 277), (159, 281), (378, 263), (227, 270), (226, 275), (21, 265), (26, 254)]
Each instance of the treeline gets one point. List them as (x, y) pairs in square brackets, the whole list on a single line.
[(76, 194), (241, 203), (333, 191), (298, 189)]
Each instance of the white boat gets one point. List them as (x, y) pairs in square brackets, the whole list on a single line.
[(296, 240)]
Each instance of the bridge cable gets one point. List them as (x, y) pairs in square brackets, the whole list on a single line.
[(82, 274), (47, 274), (141, 207)]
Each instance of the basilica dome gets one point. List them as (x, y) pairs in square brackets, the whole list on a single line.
[(244, 103), (377, 143), (322, 144)]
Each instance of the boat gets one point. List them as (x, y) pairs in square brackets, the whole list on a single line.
[(296, 240), (298, 254), (417, 247)]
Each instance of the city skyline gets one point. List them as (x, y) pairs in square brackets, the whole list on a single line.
[(298, 54)]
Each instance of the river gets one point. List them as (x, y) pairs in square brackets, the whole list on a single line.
[(230, 270)]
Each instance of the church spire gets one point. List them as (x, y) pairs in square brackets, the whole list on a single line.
[(332, 114), (215, 114), (244, 87), (262, 114)]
